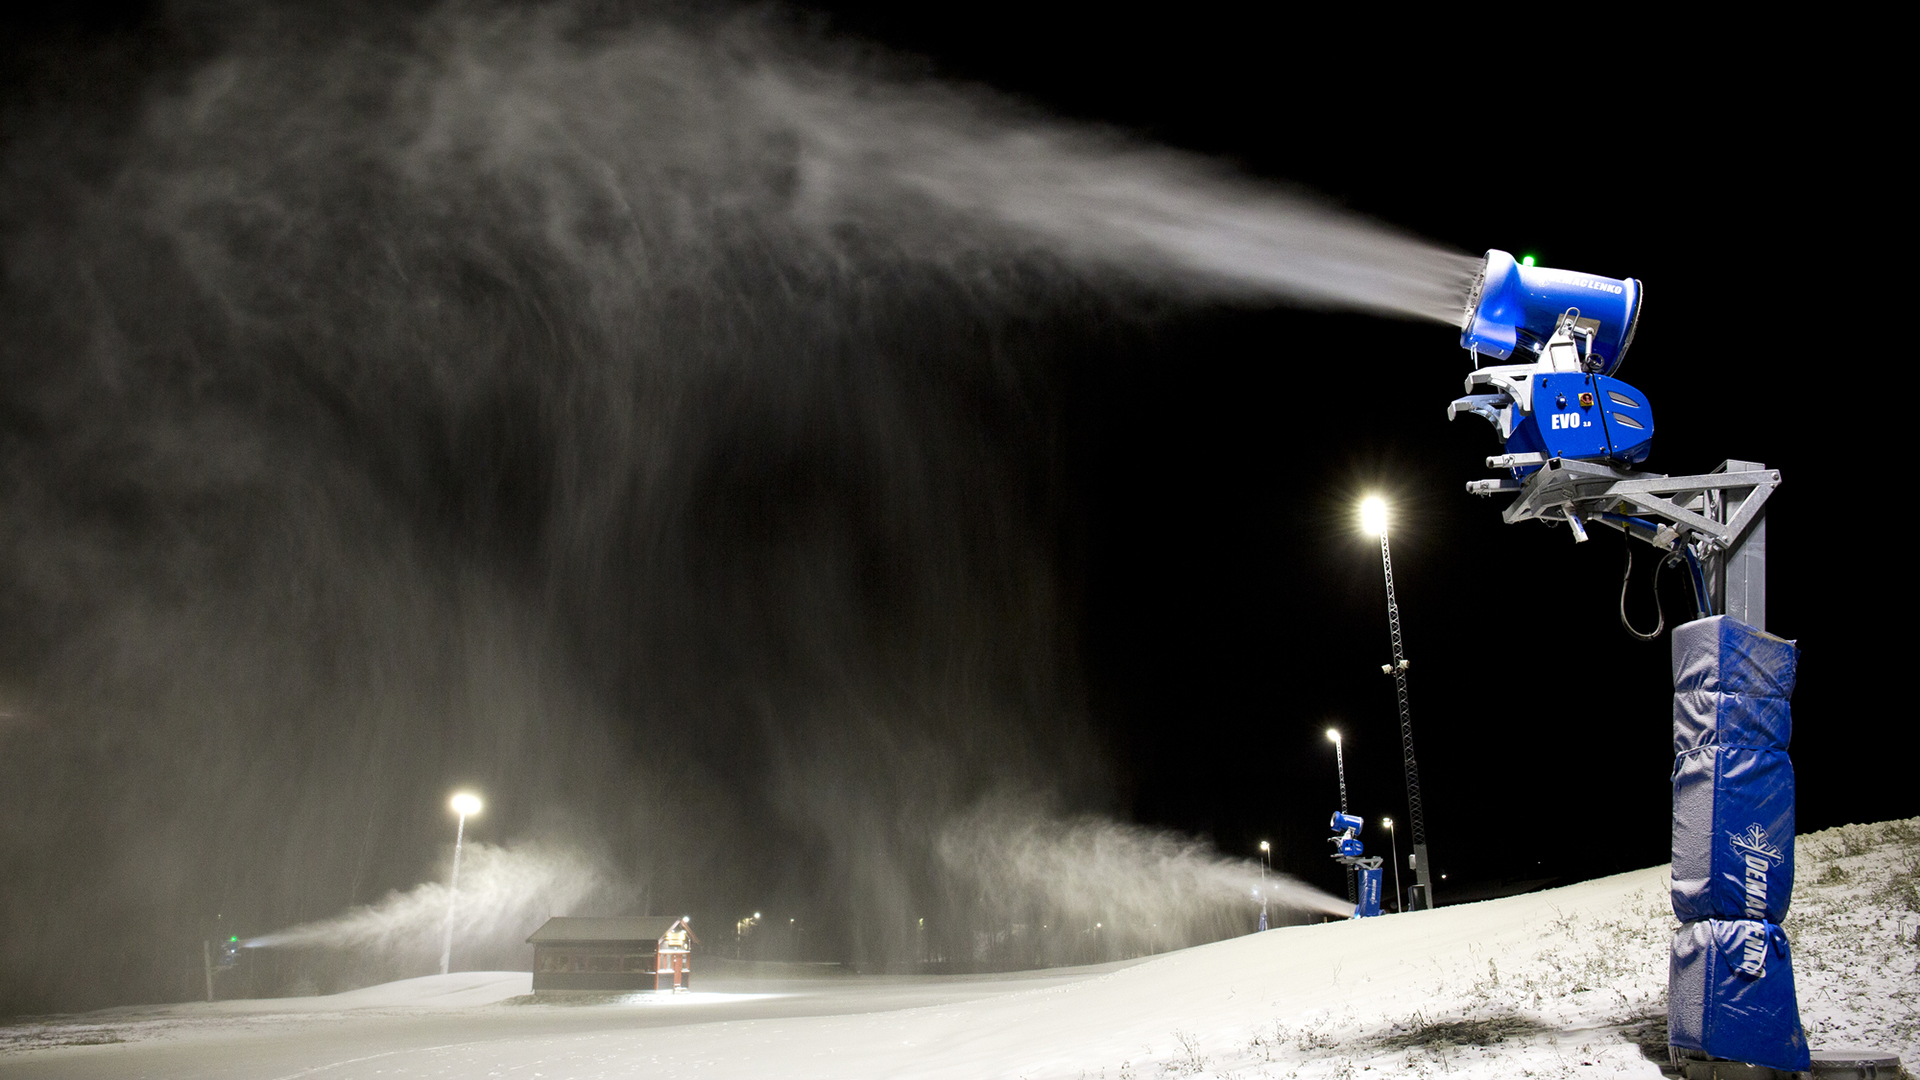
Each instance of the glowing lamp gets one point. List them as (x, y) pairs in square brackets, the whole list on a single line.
[(1373, 515)]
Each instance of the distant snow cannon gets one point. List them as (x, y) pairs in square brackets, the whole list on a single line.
[(1570, 332), (1348, 851)]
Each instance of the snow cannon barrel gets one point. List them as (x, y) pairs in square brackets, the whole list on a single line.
[(1518, 307), (1344, 822)]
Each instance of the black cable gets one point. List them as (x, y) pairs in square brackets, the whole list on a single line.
[(1624, 578)]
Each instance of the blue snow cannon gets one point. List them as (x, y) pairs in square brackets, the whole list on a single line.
[(1519, 307), (1347, 844), (1567, 333)]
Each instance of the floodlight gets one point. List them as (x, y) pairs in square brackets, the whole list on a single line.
[(1373, 515)]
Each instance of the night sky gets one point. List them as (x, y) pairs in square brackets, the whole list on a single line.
[(1123, 573), (1226, 583)]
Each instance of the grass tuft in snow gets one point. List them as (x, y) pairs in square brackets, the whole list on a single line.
[(1489, 1031), (1188, 1060)]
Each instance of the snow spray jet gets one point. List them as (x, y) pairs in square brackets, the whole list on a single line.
[(1096, 197), (506, 892), (836, 144), (1144, 890), (649, 418)]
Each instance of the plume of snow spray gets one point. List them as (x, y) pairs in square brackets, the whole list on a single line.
[(1095, 197), (940, 173), (616, 409), (505, 893), (1146, 889)]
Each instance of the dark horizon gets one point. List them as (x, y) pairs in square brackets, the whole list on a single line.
[(369, 498)]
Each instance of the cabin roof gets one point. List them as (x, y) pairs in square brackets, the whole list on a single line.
[(572, 929)]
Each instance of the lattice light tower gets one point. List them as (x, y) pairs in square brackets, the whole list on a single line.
[(1340, 764), (1373, 519)]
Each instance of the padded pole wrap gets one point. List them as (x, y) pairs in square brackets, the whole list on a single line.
[(1730, 984), (1730, 994), (1369, 893), (1732, 834)]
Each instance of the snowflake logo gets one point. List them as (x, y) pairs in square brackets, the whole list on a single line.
[(1755, 841)]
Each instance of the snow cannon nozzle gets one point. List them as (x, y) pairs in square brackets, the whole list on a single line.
[(1346, 823), (1513, 307)]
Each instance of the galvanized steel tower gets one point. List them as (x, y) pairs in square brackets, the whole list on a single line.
[(1373, 518)]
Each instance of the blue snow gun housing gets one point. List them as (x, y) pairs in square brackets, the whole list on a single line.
[(1349, 853), (1520, 307), (1347, 844), (1569, 333)]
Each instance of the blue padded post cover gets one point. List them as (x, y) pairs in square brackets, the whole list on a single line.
[(1732, 779), (1732, 834), (1369, 905), (1730, 994), (1731, 685), (1730, 981)]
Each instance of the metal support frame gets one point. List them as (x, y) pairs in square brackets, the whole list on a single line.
[(1737, 582), (1719, 515)]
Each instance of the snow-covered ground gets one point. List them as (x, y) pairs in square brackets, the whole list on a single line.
[(1564, 983), (1855, 930)]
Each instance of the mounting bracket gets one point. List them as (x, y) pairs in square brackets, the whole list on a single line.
[(1718, 515)]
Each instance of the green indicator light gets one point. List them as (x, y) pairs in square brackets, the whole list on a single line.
[(233, 939), (1526, 260)]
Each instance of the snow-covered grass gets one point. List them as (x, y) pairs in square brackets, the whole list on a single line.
[(1583, 993), (1570, 982), (1855, 931), (1565, 983)]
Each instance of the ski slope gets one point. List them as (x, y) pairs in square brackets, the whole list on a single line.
[(1568, 982)]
